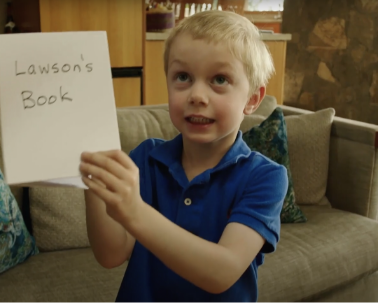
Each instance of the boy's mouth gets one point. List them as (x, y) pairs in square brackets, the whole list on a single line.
[(199, 120)]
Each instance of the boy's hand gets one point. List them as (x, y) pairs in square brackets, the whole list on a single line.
[(114, 178)]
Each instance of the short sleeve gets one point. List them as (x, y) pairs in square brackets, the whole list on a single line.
[(261, 202)]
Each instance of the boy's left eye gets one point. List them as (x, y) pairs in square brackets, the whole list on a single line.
[(220, 80)]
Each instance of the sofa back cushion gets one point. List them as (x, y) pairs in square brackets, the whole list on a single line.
[(308, 138), (58, 218), (266, 107), (58, 214), (309, 143), (137, 124)]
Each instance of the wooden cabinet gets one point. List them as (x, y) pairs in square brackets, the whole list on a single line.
[(127, 91), (156, 88), (123, 20)]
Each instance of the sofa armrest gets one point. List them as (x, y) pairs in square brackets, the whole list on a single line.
[(353, 168), (353, 165)]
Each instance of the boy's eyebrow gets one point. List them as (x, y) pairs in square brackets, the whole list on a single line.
[(223, 64), (178, 62), (219, 64)]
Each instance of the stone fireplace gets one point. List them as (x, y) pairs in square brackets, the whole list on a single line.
[(332, 59)]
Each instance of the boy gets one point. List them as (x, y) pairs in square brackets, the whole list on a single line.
[(196, 214)]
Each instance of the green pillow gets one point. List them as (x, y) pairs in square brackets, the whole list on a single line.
[(16, 244), (270, 139)]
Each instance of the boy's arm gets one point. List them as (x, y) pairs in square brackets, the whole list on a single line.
[(111, 243), (212, 267)]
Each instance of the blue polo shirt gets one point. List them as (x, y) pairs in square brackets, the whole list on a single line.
[(245, 187)]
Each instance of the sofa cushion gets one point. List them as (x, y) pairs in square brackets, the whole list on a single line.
[(266, 107), (58, 214), (270, 139), (309, 141), (58, 218), (332, 249), (62, 276), (137, 124), (16, 244)]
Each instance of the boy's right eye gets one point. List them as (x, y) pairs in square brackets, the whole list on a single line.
[(182, 77)]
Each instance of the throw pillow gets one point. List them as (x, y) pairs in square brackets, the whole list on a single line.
[(16, 244), (270, 139), (309, 140)]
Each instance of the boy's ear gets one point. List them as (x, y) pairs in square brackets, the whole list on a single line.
[(255, 100)]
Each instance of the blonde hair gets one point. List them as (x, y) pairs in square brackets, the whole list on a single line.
[(243, 40)]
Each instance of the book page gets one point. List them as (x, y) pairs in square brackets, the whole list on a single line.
[(56, 101)]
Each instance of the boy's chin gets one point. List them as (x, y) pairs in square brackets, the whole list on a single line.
[(198, 138), (203, 139)]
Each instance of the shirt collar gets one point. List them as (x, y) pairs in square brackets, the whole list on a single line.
[(170, 152)]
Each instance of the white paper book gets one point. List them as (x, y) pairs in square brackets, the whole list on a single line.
[(56, 101)]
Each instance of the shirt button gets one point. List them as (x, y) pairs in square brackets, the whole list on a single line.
[(187, 201)]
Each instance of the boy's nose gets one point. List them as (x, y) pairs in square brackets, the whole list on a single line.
[(198, 99), (198, 96)]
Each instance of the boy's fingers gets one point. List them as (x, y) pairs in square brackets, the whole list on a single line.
[(106, 195), (117, 155), (99, 176), (97, 181), (107, 163), (121, 157)]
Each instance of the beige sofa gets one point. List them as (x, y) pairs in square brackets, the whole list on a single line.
[(331, 257)]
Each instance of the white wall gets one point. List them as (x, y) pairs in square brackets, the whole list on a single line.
[(264, 5)]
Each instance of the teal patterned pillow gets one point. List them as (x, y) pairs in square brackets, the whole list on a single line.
[(16, 244), (270, 139)]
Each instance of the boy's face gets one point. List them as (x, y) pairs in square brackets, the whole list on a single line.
[(208, 90)]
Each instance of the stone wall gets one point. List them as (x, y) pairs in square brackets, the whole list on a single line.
[(332, 60)]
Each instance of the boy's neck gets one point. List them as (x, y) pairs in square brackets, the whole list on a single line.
[(197, 158)]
